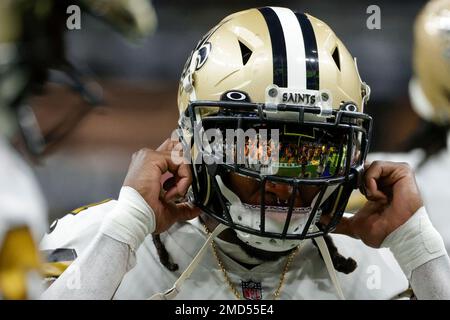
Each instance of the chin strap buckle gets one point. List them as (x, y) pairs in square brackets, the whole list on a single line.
[(358, 177)]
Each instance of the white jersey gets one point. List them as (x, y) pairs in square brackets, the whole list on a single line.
[(378, 276), (432, 178), (21, 202)]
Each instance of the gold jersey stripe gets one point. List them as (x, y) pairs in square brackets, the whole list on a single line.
[(54, 269), (18, 257), (78, 210)]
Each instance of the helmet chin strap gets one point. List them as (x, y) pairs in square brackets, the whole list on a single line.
[(329, 264), (176, 288), (247, 218)]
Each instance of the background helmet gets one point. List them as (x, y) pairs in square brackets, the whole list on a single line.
[(32, 43), (274, 69), (430, 87)]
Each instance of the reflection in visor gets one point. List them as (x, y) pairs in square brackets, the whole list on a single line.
[(302, 153), (324, 153)]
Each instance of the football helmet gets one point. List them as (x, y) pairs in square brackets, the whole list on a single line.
[(283, 85), (430, 87)]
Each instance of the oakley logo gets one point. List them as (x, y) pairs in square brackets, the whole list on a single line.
[(349, 107), (235, 96)]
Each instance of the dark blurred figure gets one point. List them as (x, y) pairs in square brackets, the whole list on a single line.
[(427, 149), (32, 44)]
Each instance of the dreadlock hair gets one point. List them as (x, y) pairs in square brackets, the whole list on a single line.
[(430, 137), (163, 255), (340, 263)]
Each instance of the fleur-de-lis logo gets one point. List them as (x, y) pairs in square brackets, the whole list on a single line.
[(201, 52)]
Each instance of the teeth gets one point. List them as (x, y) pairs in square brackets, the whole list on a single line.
[(281, 202)]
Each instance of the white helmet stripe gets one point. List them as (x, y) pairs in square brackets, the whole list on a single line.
[(295, 48)]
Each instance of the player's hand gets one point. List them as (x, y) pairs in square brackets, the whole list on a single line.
[(393, 198), (144, 175)]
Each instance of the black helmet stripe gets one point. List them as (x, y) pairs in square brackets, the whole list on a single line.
[(280, 72), (311, 53)]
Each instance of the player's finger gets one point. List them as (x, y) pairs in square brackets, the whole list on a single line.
[(178, 187), (377, 175), (168, 145), (343, 227), (182, 179), (185, 211)]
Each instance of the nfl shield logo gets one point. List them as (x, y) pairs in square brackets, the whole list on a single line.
[(251, 290)]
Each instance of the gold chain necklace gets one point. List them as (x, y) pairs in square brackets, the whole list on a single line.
[(233, 289)]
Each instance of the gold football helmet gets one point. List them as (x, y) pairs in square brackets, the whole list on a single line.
[(287, 73), (430, 87)]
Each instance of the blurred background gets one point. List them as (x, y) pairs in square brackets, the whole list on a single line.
[(139, 81)]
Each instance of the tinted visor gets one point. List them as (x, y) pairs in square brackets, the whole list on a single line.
[(317, 159), (285, 150)]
